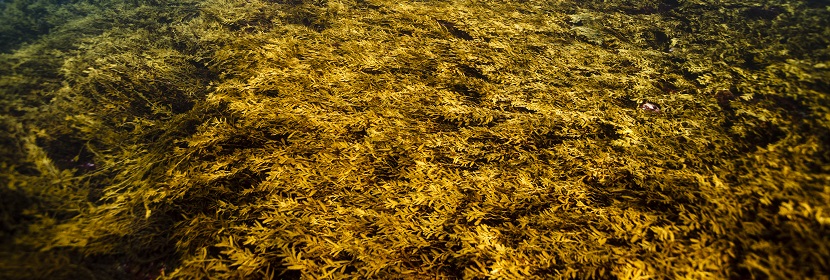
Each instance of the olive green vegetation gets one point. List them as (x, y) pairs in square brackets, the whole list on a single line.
[(249, 139)]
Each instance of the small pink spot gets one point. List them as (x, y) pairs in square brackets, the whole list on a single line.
[(650, 107)]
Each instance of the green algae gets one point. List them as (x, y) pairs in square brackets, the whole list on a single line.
[(417, 139)]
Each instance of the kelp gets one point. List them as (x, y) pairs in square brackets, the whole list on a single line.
[(418, 139)]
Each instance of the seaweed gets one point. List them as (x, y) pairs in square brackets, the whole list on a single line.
[(420, 139)]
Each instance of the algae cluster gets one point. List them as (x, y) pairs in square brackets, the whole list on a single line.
[(373, 139)]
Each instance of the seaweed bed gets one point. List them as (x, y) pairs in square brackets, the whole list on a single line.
[(288, 139)]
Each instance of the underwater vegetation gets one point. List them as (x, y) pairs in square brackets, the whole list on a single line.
[(375, 139)]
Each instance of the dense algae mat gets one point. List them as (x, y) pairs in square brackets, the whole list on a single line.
[(414, 139)]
